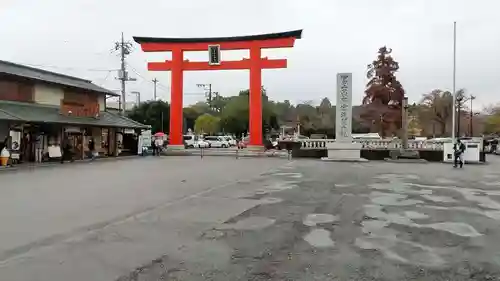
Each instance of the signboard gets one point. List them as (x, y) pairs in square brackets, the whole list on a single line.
[(343, 122), (79, 110), (214, 54), (144, 141)]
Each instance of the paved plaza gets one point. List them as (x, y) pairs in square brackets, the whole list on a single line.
[(220, 218)]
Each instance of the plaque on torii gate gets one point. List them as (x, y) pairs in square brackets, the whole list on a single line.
[(253, 43)]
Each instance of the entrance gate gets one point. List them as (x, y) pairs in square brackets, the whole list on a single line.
[(255, 64)]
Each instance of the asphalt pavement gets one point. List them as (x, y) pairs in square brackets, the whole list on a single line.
[(183, 218)]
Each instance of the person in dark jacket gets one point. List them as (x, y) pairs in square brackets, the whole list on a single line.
[(458, 149), (66, 149), (92, 150)]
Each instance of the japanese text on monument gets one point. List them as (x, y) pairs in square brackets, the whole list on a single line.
[(344, 105)]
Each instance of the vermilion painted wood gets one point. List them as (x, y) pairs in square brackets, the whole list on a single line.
[(255, 64), (225, 65), (238, 45)]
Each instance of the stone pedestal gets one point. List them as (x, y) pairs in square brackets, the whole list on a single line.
[(255, 148), (176, 147), (344, 152)]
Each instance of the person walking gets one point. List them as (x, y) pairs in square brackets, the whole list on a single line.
[(159, 145), (458, 149), (92, 149), (153, 146), (39, 148)]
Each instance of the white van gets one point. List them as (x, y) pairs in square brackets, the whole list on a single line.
[(190, 141), (230, 140), (216, 141)]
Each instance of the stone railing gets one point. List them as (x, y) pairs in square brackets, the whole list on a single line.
[(376, 144)]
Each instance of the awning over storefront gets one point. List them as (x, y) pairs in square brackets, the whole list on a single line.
[(36, 113), (5, 116)]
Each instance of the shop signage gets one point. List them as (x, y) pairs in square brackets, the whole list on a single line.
[(79, 110)]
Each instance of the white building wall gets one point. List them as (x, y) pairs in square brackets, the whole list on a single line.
[(47, 94)]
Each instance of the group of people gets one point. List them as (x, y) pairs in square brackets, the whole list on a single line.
[(157, 145), (67, 152)]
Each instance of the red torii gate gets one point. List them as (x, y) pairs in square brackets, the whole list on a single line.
[(254, 43)]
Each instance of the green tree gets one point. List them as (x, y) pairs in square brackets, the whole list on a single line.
[(235, 114), (154, 113), (234, 118), (207, 124)]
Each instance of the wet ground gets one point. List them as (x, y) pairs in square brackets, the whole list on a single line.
[(300, 220)]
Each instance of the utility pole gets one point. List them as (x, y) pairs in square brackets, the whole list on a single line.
[(207, 87), (125, 49), (154, 82)]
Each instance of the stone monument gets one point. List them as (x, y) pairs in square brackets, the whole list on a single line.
[(344, 149)]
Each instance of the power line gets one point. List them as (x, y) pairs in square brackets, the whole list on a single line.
[(68, 68)]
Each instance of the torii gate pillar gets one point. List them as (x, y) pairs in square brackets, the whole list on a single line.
[(255, 64)]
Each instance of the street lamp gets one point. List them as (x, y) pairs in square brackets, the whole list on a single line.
[(459, 100), (471, 115), (405, 122)]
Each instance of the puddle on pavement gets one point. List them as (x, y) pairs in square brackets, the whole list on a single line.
[(314, 219), (415, 215), (250, 223), (457, 228), (270, 200), (401, 251), (213, 234), (276, 187), (340, 185), (376, 212), (291, 175), (399, 187), (392, 199), (490, 214), (445, 181), (397, 177), (439, 199), (488, 183), (319, 238)]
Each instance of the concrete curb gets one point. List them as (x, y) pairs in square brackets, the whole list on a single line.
[(326, 159), (406, 161), (224, 153), (22, 167)]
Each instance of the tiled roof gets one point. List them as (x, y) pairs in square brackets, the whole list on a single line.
[(288, 34), (35, 113), (50, 77)]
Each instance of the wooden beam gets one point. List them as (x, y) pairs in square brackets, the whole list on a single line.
[(225, 65), (203, 46)]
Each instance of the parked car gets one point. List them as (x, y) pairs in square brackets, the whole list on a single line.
[(190, 141), (217, 141), (230, 140), (202, 144)]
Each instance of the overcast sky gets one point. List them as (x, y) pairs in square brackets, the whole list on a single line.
[(76, 37)]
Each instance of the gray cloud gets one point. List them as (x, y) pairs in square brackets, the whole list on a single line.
[(339, 36)]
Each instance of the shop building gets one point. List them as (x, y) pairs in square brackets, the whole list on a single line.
[(40, 109)]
